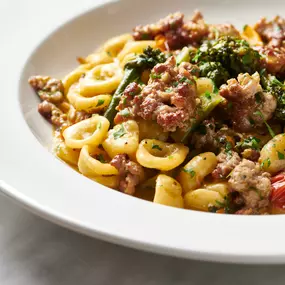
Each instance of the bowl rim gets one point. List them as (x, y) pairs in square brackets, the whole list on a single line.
[(136, 223)]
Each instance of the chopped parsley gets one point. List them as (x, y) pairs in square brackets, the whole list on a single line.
[(100, 157), (250, 142), (156, 146), (208, 95), (265, 163), (155, 76), (99, 125), (100, 102), (186, 80), (271, 132), (228, 148), (120, 132), (280, 155), (168, 90), (189, 171), (175, 84)]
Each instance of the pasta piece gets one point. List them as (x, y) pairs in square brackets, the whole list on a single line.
[(151, 130), (88, 104), (108, 181), (97, 58), (114, 45), (91, 131), (221, 187), (135, 47), (61, 150), (123, 138), (102, 79), (272, 155), (204, 84), (93, 162), (74, 76), (160, 155), (168, 192), (193, 173), (202, 199)]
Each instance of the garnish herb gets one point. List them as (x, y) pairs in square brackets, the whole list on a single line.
[(100, 102), (280, 155), (271, 132), (155, 146), (189, 171), (120, 132)]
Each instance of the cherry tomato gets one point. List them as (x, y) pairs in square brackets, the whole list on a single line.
[(278, 190)]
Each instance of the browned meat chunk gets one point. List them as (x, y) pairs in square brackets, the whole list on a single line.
[(49, 89), (51, 113), (273, 59), (272, 32), (227, 161), (250, 105), (177, 33), (76, 116), (130, 173), (253, 184), (169, 98), (221, 30)]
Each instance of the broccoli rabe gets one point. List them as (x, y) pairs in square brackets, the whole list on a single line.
[(271, 84), (133, 70), (234, 55), (214, 71)]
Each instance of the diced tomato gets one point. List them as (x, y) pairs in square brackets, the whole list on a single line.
[(278, 190)]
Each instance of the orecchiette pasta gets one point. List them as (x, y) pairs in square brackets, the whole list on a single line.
[(193, 173), (91, 131), (93, 162), (114, 45), (87, 104), (123, 138), (168, 192), (272, 155), (102, 79), (221, 187), (108, 181), (97, 58), (202, 199), (160, 155), (130, 113), (134, 48), (64, 152), (74, 76), (151, 130)]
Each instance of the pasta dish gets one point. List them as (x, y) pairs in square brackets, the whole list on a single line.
[(179, 112)]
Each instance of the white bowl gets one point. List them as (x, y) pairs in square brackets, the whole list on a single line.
[(42, 183)]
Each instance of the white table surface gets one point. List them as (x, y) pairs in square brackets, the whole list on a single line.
[(36, 252)]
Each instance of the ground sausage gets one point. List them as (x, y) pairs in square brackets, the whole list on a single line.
[(227, 161), (272, 32), (273, 59), (175, 30), (253, 184), (250, 105), (49, 89), (53, 114), (130, 173), (220, 30), (169, 97)]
